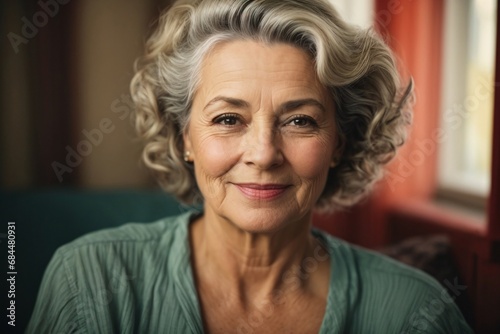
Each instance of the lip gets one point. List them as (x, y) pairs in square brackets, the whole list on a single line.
[(258, 191)]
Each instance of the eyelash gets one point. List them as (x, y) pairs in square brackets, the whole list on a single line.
[(310, 120), (225, 117), (236, 118)]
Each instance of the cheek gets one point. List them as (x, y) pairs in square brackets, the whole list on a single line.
[(215, 156), (310, 159)]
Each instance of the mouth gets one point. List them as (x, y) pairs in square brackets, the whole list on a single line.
[(262, 191)]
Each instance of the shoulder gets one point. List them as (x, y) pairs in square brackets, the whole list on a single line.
[(133, 249), (376, 268), (407, 299), (96, 281), (130, 237), (134, 232)]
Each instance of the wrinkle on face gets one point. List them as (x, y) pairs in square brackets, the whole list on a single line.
[(255, 81)]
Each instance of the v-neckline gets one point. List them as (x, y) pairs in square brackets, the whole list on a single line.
[(337, 298)]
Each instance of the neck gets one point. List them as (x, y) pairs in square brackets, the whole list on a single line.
[(256, 267)]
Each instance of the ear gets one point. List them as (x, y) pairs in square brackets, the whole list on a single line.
[(338, 153), (188, 146)]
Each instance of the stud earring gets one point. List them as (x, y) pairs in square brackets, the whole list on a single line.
[(186, 156)]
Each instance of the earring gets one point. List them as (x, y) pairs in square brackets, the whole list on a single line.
[(186, 156)]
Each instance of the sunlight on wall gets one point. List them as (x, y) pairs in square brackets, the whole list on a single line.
[(359, 12), (467, 104)]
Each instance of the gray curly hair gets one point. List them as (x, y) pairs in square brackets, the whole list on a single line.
[(355, 65)]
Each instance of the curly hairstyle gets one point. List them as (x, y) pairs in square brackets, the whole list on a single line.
[(355, 65)]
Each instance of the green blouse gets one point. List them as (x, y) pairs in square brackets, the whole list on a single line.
[(137, 279)]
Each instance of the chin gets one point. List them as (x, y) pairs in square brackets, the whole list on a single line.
[(264, 220)]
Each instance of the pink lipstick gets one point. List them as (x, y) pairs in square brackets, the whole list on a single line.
[(261, 191)]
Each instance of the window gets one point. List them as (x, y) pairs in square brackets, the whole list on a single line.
[(467, 97)]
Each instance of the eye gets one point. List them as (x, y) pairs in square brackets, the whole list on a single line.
[(227, 120), (302, 121)]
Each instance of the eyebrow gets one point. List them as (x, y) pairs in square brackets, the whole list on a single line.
[(238, 103), (287, 106), (295, 104)]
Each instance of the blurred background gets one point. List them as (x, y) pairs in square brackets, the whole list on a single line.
[(66, 134), (66, 67)]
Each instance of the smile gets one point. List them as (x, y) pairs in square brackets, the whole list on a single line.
[(261, 191)]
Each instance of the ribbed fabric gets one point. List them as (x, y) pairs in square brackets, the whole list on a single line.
[(137, 279)]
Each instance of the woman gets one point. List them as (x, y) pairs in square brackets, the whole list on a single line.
[(263, 111)]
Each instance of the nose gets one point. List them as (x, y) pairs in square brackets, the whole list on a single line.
[(263, 147)]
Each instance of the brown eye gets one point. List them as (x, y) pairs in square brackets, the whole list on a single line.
[(302, 121), (227, 120)]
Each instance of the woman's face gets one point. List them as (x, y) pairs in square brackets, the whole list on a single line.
[(261, 135)]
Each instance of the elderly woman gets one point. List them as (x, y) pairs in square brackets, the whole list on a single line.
[(263, 111)]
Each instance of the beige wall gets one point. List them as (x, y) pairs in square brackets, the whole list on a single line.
[(111, 35)]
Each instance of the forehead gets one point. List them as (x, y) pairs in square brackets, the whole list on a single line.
[(257, 54), (244, 64)]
